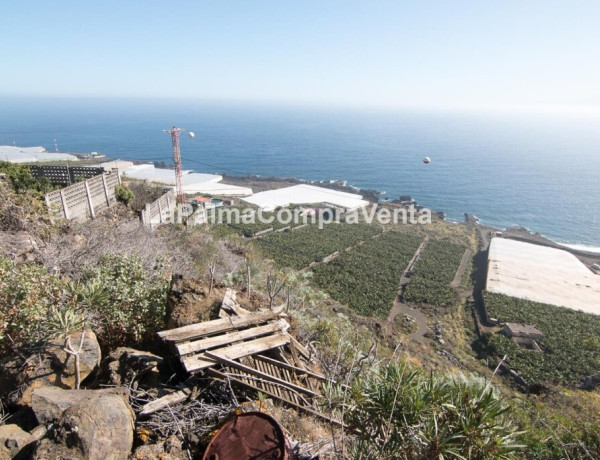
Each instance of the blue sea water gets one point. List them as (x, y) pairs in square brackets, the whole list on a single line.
[(539, 171)]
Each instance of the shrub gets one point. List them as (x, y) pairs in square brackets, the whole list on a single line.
[(127, 301), (124, 194), (22, 180), (26, 294), (404, 413)]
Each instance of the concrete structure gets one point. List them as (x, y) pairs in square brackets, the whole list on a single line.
[(305, 194), (83, 200), (192, 182), (542, 274), (522, 330), (31, 154), (116, 164)]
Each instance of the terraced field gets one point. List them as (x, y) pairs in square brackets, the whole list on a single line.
[(298, 248), (570, 348), (367, 277), (433, 273)]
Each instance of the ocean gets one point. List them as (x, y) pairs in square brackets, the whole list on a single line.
[(540, 171)]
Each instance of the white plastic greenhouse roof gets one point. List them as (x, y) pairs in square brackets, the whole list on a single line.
[(305, 194), (542, 274)]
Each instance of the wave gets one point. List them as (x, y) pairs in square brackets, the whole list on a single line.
[(581, 247)]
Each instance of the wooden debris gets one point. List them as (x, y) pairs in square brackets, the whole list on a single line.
[(207, 328), (230, 306), (235, 347), (161, 403), (195, 363)]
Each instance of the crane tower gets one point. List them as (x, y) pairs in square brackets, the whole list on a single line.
[(174, 132)]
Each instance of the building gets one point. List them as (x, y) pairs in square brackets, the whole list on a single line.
[(522, 330), (207, 202)]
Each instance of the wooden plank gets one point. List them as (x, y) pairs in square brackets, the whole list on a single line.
[(262, 375), (301, 348), (226, 339), (161, 403), (291, 368), (284, 373), (195, 363), (195, 331), (273, 388), (306, 409)]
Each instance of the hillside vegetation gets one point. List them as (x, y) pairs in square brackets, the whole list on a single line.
[(433, 273), (367, 277)]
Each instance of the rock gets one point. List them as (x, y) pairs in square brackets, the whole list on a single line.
[(49, 450), (124, 364), (189, 302), (49, 403), (97, 427), (591, 382), (51, 366), (170, 449), (15, 442)]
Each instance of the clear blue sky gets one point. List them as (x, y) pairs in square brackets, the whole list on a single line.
[(386, 53)]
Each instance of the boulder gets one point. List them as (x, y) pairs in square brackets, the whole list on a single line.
[(49, 403), (189, 302), (170, 449), (52, 366), (97, 427), (124, 364), (14, 442)]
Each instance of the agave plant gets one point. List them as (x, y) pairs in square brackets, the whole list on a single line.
[(404, 414)]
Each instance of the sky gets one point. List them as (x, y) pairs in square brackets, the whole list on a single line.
[(399, 53)]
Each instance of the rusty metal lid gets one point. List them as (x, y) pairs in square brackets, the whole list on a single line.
[(252, 435)]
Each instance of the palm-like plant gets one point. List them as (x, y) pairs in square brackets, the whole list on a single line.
[(62, 322), (403, 413)]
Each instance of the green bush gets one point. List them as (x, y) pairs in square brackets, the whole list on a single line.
[(124, 302), (127, 302), (403, 413), (27, 293), (124, 194), (22, 180)]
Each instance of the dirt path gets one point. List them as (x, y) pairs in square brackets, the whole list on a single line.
[(461, 269), (400, 308)]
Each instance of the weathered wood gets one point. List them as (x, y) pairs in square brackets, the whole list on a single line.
[(226, 339), (230, 306), (290, 367), (261, 367), (306, 409), (198, 330), (195, 363), (301, 349), (161, 403)]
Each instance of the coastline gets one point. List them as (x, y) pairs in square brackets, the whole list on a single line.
[(260, 183)]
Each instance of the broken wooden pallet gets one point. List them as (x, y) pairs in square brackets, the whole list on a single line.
[(235, 348), (231, 338)]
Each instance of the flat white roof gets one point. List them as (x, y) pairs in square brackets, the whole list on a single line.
[(167, 176), (192, 182), (304, 194), (542, 274), (217, 188), (31, 154), (116, 164)]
